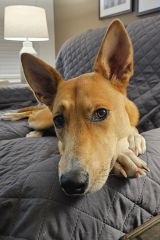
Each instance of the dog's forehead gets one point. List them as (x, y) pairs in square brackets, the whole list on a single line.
[(87, 89), (86, 85)]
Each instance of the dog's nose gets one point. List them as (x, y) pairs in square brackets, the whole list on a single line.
[(74, 182)]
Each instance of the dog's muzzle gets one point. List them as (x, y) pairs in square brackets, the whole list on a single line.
[(74, 182)]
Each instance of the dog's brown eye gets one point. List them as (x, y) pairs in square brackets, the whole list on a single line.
[(99, 115), (59, 121)]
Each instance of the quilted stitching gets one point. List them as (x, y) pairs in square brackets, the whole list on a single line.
[(146, 81), (140, 196), (77, 54)]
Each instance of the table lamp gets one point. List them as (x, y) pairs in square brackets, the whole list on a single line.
[(27, 24)]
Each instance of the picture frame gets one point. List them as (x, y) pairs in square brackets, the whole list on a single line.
[(144, 7), (108, 8)]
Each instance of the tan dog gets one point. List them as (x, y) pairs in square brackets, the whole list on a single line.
[(94, 120)]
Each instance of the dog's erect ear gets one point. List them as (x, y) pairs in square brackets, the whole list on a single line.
[(42, 78), (115, 58)]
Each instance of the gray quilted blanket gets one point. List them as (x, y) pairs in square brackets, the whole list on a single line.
[(32, 205)]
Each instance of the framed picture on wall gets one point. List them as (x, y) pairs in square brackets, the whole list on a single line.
[(109, 8), (149, 6)]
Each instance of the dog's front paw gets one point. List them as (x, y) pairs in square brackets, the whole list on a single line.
[(34, 134), (137, 143), (129, 165)]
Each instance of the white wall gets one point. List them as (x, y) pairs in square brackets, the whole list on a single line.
[(47, 49), (9, 50)]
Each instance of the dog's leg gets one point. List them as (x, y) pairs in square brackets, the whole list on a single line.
[(136, 142), (21, 113), (127, 163), (15, 116), (39, 119)]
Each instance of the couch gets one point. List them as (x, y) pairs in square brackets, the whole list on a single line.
[(32, 204)]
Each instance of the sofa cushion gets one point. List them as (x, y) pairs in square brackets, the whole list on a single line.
[(144, 87), (13, 96)]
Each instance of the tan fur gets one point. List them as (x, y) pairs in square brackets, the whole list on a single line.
[(41, 119), (132, 111), (96, 147)]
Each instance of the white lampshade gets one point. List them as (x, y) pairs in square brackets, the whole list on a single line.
[(23, 23)]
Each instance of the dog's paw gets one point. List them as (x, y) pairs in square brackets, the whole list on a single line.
[(137, 143), (34, 134), (129, 165)]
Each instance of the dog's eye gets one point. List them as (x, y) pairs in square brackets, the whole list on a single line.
[(59, 121), (99, 115)]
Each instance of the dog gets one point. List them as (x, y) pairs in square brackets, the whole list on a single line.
[(94, 120)]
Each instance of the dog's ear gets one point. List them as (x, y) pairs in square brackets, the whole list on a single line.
[(115, 57), (42, 78)]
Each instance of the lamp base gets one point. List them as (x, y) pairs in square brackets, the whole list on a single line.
[(27, 48)]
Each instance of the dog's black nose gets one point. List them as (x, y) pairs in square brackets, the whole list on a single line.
[(74, 182)]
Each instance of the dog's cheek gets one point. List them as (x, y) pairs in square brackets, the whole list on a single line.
[(60, 133), (98, 183), (105, 164), (98, 173)]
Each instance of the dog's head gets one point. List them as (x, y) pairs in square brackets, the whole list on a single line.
[(89, 112)]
